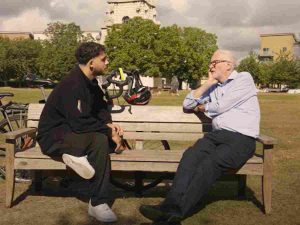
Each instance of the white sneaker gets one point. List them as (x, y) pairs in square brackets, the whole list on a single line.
[(102, 213), (80, 165)]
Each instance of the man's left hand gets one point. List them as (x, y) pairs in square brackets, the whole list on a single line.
[(200, 108), (117, 128)]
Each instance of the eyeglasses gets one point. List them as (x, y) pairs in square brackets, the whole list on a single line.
[(215, 62)]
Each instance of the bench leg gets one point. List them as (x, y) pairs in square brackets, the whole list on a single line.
[(138, 179), (242, 180), (267, 178), (10, 184), (38, 180), (267, 192)]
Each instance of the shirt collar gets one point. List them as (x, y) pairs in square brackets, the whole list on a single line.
[(233, 75)]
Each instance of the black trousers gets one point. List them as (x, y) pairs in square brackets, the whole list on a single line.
[(96, 146), (203, 163)]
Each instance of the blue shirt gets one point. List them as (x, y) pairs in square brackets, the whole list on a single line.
[(232, 105)]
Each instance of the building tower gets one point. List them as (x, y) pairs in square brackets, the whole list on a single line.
[(120, 11)]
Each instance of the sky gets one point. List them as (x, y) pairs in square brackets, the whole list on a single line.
[(237, 23)]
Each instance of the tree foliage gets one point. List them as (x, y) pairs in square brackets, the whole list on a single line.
[(57, 55), (131, 45), (156, 51), (251, 65), (285, 70), (18, 57)]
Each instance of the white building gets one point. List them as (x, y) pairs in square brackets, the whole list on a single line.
[(120, 11), (39, 35)]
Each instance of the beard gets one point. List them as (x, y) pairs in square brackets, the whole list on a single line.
[(98, 72)]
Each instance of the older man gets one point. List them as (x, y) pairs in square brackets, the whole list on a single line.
[(230, 99)]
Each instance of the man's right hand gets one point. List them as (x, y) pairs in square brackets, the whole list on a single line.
[(119, 142), (211, 80)]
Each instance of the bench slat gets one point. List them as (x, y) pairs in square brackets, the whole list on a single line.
[(166, 127), (154, 114), (249, 169), (162, 136), (131, 155)]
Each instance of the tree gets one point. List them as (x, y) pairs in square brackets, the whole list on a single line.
[(286, 70), (169, 51), (18, 57), (57, 56), (5, 45), (166, 51), (131, 45), (199, 46), (251, 65)]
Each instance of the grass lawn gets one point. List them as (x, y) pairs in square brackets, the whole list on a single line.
[(280, 118)]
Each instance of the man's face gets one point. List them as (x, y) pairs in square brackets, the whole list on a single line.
[(219, 66), (99, 64)]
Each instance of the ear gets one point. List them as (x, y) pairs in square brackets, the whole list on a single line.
[(90, 65), (229, 66)]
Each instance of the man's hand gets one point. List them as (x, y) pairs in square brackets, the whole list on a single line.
[(211, 79), (117, 128), (116, 133), (200, 108)]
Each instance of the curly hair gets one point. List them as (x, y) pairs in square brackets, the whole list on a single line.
[(88, 50)]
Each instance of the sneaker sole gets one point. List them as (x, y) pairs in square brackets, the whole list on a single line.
[(80, 169), (102, 219)]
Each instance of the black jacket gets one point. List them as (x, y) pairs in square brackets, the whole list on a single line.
[(75, 105)]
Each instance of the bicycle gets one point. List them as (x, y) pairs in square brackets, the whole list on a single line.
[(15, 117)]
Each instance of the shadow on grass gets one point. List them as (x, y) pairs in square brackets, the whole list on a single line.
[(225, 189)]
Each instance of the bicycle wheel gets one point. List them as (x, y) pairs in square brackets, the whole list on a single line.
[(137, 182), (14, 122)]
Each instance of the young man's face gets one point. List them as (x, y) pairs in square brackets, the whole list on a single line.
[(99, 64)]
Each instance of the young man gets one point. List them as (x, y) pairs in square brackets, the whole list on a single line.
[(76, 125), (230, 99)]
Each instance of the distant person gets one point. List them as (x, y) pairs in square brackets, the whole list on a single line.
[(230, 99), (174, 85), (76, 125)]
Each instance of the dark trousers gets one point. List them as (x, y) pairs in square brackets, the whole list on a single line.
[(203, 163), (96, 146)]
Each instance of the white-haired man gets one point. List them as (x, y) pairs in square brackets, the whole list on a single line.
[(230, 99)]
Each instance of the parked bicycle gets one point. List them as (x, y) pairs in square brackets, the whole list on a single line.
[(15, 117)]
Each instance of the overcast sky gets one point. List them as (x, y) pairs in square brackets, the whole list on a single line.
[(237, 23)]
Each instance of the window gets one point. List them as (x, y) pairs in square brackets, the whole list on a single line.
[(125, 19), (266, 50)]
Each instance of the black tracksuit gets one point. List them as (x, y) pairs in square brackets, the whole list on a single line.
[(74, 121)]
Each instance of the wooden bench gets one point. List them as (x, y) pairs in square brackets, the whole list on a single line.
[(164, 124)]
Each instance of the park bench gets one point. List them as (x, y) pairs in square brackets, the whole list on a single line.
[(164, 124)]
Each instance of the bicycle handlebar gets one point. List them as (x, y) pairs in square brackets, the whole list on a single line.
[(119, 83), (36, 82)]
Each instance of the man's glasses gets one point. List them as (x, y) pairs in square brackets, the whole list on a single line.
[(215, 62)]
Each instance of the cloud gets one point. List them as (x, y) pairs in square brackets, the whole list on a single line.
[(89, 14), (237, 23), (29, 20)]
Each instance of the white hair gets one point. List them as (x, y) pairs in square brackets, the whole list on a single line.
[(228, 56)]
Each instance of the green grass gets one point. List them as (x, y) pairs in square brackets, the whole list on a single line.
[(280, 118)]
